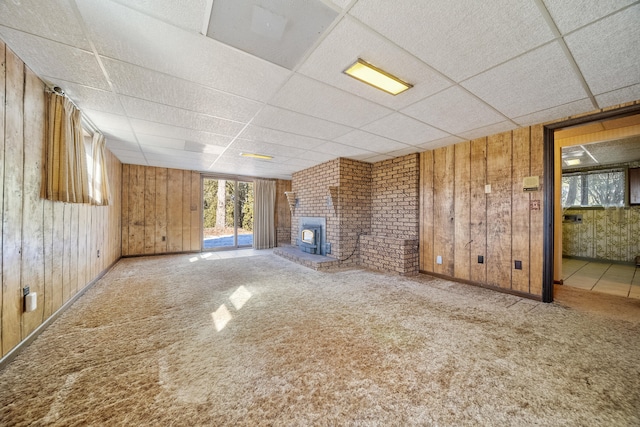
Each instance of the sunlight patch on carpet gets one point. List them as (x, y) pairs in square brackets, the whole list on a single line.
[(240, 297), (221, 317)]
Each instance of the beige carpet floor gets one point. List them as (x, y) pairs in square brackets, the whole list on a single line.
[(186, 340)]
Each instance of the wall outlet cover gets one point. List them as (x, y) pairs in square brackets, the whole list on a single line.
[(487, 188), (439, 259)]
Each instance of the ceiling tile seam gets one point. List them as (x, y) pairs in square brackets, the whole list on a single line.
[(551, 108), (602, 18), (83, 26), (46, 38), (207, 17), (569, 56), (182, 79), (448, 134)]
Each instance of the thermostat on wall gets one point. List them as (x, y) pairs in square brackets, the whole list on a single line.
[(531, 183)]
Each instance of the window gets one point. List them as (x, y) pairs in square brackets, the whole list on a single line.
[(601, 188)]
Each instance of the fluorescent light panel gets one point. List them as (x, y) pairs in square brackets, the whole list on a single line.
[(257, 156), (572, 162), (374, 76)]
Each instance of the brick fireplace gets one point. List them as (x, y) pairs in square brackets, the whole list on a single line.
[(370, 211)]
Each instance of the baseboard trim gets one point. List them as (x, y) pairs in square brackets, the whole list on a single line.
[(8, 358)]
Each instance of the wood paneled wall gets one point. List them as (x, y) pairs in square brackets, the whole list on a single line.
[(460, 221), (51, 247), (283, 213), (161, 210)]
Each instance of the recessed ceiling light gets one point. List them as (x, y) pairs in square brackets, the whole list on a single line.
[(257, 156), (374, 76), (572, 162)]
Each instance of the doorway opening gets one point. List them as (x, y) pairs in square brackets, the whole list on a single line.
[(227, 214), (590, 215)]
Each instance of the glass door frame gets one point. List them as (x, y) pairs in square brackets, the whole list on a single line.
[(236, 179)]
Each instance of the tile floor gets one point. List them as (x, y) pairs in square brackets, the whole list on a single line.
[(613, 279)]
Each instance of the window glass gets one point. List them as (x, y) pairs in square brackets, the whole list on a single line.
[(597, 188)]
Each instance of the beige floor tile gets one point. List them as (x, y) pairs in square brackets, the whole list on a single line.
[(634, 292), (570, 266), (612, 289)]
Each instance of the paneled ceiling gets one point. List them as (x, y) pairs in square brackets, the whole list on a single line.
[(166, 94)]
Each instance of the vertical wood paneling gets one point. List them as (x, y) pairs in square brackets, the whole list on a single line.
[(44, 244), (499, 210), (478, 208), (462, 191), (33, 206), (426, 211), (536, 228), (174, 210), (196, 215), (161, 211), (520, 168), (186, 210), (136, 210), (57, 291), (124, 188), (443, 206), (12, 206), (2, 130), (149, 210)]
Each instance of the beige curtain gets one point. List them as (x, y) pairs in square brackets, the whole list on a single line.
[(66, 178), (100, 183), (264, 229)]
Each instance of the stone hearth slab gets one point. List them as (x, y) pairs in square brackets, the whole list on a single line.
[(315, 262)]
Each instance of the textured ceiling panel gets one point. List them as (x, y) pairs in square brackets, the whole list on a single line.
[(443, 142), (56, 60), (454, 111), (187, 14), (555, 113), (142, 83), (92, 99), (619, 96), (535, 81), (159, 141), (53, 19), (127, 142), (608, 52), (164, 114), (341, 150), (275, 150), (351, 40), (369, 141), (108, 120), (153, 44), (289, 121), (256, 133), (570, 15), (404, 129), (460, 38), (185, 134), (326, 102), (488, 130)]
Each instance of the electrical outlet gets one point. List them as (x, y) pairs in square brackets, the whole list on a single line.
[(25, 291), (439, 259), (518, 265), (480, 259), (164, 238)]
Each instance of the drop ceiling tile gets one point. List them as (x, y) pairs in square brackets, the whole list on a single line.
[(142, 83), (159, 153), (247, 146), (570, 15), (432, 145), (104, 120), (319, 100), (454, 111), (315, 156), (54, 20), (256, 133), (378, 158), (175, 132), (55, 60), (620, 96), (187, 14), (288, 121), (488, 130), (521, 86), (404, 152), (341, 3), (158, 141), (459, 38), (92, 99), (351, 40), (341, 150), (160, 113), (115, 144), (370, 142), (123, 136), (555, 113), (607, 52), (401, 128), (151, 43)]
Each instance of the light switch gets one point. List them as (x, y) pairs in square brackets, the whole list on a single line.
[(487, 189)]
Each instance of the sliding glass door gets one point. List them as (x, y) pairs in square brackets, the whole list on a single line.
[(227, 213)]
